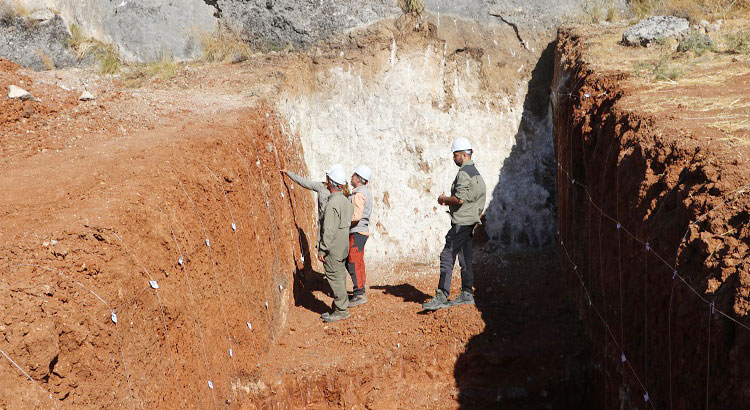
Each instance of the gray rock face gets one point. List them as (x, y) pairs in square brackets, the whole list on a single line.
[(654, 28), (299, 22), (36, 44), (141, 30)]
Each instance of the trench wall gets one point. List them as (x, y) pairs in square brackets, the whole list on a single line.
[(399, 103), (653, 234), (140, 288)]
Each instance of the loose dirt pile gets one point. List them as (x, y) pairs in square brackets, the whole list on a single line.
[(654, 198)]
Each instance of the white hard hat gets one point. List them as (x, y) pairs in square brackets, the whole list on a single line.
[(337, 174), (363, 171), (461, 144)]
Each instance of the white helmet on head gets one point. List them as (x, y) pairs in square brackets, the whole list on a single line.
[(336, 174), (364, 172), (461, 144)]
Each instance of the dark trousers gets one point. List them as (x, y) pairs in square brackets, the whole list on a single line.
[(356, 263), (458, 242)]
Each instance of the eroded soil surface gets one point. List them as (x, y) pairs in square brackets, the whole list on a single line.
[(521, 347)]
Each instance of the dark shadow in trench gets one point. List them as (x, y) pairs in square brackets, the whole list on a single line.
[(405, 291), (533, 353), (307, 281)]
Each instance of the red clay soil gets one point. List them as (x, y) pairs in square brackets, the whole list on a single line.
[(509, 351), (86, 229), (680, 191), (93, 209)]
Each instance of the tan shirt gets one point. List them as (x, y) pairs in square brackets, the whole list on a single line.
[(358, 201)]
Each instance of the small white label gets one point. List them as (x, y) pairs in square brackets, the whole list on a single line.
[(208, 243), (575, 267), (623, 358), (267, 115), (674, 274), (266, 304), (587, 95), (282, 194), (266, 203), (303, 258), (619, 226), (234, 226), (210, 385), (281, 287), (249, 326), (231, 353), (645, 397), (113, 316), (589, 302), (257, 163), (648, 247), (180, 261), (153, 284)]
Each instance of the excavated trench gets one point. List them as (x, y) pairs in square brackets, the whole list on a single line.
[(174, 269)]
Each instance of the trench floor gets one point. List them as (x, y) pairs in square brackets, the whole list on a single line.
[(522, 346)]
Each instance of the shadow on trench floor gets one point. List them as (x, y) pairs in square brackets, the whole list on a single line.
[(521, 347), (533, 352)]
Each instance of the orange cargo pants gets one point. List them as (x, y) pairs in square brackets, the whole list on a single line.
[(356, 262)]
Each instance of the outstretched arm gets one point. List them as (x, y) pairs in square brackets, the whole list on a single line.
[(304, 182)]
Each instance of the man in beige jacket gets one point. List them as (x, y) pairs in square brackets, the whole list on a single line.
[(334, 242)]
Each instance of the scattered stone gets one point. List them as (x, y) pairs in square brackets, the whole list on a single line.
[(41, 15), (86, 96), (16, 92), (655, 28), (238, 57)]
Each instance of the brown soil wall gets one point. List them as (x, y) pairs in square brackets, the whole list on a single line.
[(667, 291), (85, 233)]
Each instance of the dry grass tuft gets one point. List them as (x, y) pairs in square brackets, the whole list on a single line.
[(164, 69), (224, 45), (109, 60), (738, 43), (693, 10), (48, 63), (659, 69), (413, 7)]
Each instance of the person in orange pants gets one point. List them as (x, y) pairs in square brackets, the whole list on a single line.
[(360, 230)]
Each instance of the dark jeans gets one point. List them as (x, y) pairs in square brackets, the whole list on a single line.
[(458, 242), (356, 262)]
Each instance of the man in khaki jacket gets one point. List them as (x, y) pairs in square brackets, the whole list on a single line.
[(465, 206), (334, 242)]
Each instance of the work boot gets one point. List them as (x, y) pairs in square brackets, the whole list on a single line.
[(465, 298), (336, 316), (357, 300), (438, 302)]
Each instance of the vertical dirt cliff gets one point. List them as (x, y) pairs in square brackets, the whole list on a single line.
[(653, 225), (151, 270)]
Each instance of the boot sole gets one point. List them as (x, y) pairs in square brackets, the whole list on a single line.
[(331, 319), (354, 304), (434, 308)]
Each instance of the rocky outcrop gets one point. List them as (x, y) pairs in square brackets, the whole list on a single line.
[(654, 29), (37, 43), (140, 30)]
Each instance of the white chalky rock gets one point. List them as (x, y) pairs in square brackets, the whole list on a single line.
[(18, 93), (86, 96), (153, 284)]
